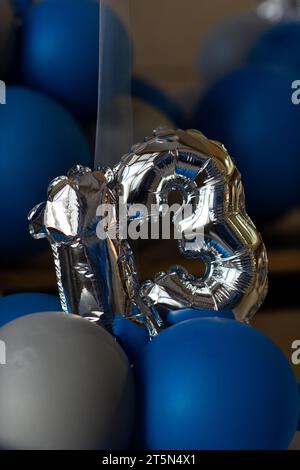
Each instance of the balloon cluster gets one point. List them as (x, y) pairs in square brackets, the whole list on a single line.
[(172, 363), (192, 376), (249, 63)]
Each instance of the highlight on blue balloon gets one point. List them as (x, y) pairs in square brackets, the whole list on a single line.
[(19, 305)]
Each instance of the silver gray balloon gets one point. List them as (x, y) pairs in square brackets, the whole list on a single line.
[(66, 384)]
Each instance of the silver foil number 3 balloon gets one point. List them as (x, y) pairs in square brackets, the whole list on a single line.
[(227, 241)]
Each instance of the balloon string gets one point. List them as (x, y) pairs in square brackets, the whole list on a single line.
[(114, 131), (99, 129)]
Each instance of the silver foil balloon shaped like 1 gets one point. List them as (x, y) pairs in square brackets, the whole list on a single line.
[(96, 277), (227, 240)]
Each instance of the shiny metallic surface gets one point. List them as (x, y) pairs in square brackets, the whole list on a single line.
[(97, 278), (227, 241)]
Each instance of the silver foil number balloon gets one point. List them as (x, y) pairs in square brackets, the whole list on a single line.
[(224, 236), (96, 277)]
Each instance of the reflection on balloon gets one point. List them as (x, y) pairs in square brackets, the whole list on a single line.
[(216, 230)]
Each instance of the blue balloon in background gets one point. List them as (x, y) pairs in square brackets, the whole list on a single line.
[(252, 113), (60, 53), (39, 141), (130, 336), (177, 316), (19, 305), (279, 47), (149, 93), (215, 384)]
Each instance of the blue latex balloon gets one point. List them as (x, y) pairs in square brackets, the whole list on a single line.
[(279, 47), (60, 53), (19, 305), (130, 336), (39, 141), (150, 94), (177, 316), (215, 384), (252, 113)]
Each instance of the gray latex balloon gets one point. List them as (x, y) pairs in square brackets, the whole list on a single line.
[(66, 384), (7, 33), (227, 46)]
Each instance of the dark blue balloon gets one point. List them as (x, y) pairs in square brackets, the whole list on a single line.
[(130, 336), (19, 305), (215, 384), (279, 47), (39, 141), (150, 94), (252, 113), (60, 52), (176, 316)]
